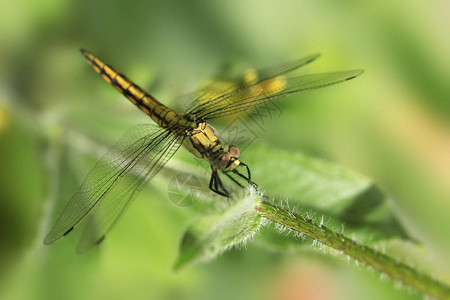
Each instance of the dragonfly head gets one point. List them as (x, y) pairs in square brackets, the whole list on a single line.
[(228, 160)]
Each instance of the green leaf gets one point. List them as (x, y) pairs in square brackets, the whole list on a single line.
[(215, 233), (335, 194), (304, 179)]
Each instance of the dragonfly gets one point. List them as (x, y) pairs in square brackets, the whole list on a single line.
[(141, 153)]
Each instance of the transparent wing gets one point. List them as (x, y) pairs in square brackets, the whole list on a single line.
[(267, 90), (116, 178), (108, 211), (251, 77)]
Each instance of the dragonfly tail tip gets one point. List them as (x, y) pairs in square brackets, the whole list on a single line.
[(84, 52)]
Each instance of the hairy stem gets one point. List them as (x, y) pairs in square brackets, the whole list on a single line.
[(383, 263)]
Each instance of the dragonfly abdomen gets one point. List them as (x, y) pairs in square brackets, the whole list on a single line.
[(161, 114)]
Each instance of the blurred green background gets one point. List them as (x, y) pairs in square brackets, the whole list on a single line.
[(57, 116)]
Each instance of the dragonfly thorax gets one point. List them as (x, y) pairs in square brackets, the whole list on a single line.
[(204, 143)]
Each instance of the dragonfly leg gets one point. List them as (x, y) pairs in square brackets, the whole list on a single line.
[(219, 182), (215, 185), (234, 180), (248, 177)]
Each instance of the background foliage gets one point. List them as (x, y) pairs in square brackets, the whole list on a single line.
[(57, 117)]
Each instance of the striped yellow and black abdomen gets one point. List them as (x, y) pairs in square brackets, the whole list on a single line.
[(161, 114)]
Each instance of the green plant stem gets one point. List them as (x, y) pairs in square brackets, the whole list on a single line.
[(383, 263)]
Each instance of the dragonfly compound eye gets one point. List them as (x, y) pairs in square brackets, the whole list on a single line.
[(224, 159), (234, 151)]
